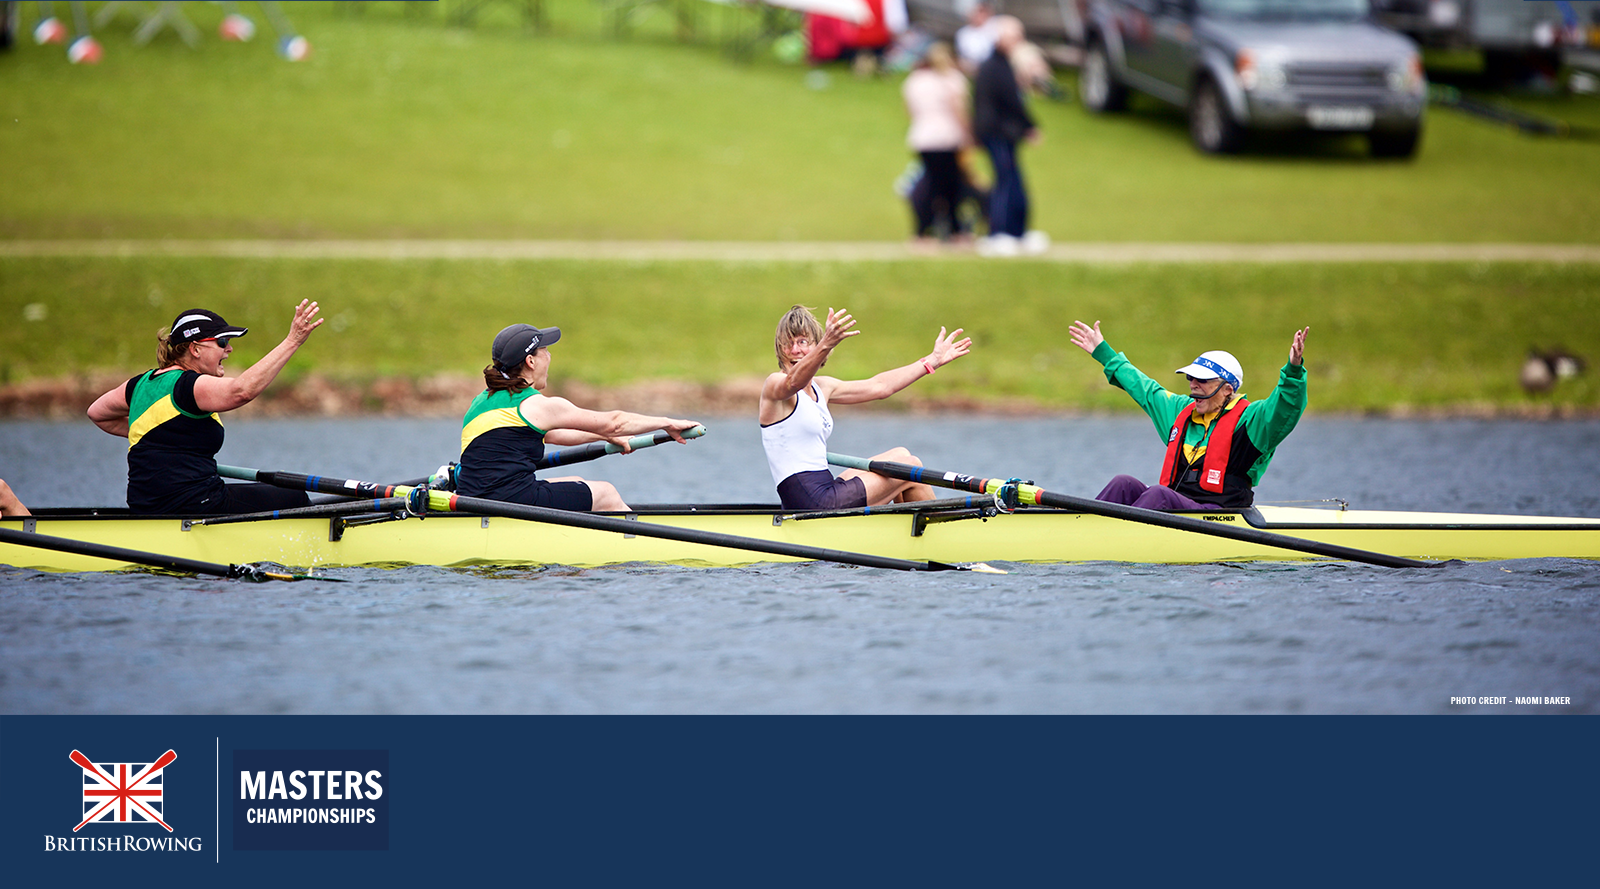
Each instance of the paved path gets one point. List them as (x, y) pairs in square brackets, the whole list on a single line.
[(777, 251)]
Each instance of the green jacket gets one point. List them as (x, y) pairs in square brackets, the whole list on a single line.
[(1267, 422)]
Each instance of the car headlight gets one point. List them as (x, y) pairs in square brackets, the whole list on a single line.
[(1406, 77), (1259, 74)]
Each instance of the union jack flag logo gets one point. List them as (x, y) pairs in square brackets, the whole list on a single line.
[(124, 791)]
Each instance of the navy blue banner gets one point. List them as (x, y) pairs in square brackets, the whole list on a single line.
[(793, 801)]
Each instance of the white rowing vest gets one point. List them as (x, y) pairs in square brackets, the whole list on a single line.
[(799, 442)]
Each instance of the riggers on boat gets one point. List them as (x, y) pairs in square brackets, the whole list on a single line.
[(972, 528)]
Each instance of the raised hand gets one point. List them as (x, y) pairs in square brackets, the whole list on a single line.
[(838, 328), (946, 348), (1297, 349), (1085, 337), (302, 325)]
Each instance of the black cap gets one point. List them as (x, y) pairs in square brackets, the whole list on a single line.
[(518, 341), (195, 325)]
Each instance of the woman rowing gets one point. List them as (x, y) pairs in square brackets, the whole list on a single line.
[(169, 417), (505, 430), (795, 422)]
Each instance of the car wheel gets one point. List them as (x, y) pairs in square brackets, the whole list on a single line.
[(1394, 143), (1097, 86), (1212, 128)]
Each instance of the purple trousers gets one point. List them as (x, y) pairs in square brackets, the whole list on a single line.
[(1129, 491)]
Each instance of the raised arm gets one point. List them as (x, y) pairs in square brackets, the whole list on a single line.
[(946, 348), (227, 393), (782, 386)]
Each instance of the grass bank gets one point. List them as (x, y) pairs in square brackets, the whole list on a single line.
[(403, 126), (1447, 337)]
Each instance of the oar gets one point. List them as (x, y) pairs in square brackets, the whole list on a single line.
[(594, 450), (1035, 495), (443, 501), (340, 507), (583, 453), (154, 560)]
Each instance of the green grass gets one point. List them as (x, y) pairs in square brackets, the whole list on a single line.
[(403, 126), (1427, 336)]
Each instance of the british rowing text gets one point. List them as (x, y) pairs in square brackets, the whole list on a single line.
[(122, 844)]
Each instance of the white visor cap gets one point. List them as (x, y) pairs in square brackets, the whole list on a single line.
[(1211, 365)]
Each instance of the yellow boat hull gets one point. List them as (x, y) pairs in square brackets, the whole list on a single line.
[(1025, 536)]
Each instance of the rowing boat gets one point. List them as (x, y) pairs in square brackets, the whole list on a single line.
[(951, 530)]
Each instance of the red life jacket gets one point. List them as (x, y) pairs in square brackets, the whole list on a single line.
[(1214, 468)]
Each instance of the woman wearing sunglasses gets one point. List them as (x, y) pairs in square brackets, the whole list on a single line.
[(169, 416)]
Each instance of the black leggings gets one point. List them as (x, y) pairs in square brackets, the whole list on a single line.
[(254, 497), (945, 181)]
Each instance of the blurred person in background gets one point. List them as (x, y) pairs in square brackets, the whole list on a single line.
[(862, 44), (1033, 71), (936, 98), (1000, 121), (875, 35), (975, 39)]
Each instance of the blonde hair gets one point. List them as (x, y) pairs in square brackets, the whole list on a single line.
[(796, 323), (938, 56)]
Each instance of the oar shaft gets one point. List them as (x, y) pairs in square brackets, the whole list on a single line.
[(911, 473), (116, 553), (1036, 495), (1218, 529), (594, 450), (316, 510), (444, 501), (320, 484)]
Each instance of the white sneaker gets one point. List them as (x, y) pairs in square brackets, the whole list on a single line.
[(999, 245), (1035, 242)]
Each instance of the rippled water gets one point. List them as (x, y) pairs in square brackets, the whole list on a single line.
[(814, 638)]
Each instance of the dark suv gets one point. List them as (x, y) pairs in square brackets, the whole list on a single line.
[(1238, 65)]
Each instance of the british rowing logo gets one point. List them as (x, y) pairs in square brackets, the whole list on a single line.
[(124, 792), (123, 795)]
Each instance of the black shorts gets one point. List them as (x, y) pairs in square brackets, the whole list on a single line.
[(819, 489), (570, 496), (228, 499)]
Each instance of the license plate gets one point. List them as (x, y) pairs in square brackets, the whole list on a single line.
[(1339, 117)]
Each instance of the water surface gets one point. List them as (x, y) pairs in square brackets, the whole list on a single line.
[(817, 638)]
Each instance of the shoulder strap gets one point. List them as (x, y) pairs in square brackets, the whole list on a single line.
[(1174, 441), (1215, 465)]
